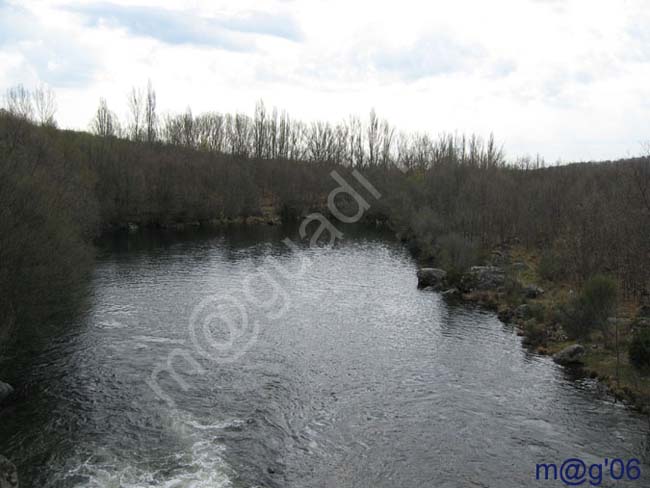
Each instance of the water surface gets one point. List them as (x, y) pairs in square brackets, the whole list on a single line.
[(346, 376)]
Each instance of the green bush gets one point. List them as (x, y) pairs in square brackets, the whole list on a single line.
[(639, 350), (590, 309)]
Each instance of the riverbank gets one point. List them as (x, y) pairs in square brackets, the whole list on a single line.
[(533, 305)]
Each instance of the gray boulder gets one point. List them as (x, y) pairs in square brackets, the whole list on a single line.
[(451, 293), (431, 277), (570, 355), (5, 391), (8, 474), (484, 278)]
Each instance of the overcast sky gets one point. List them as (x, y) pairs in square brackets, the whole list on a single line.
[(569, 79)]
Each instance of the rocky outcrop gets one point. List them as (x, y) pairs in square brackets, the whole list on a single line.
[(570, 355), (483, 278), (6, 391), (8, 474), (432, 278), (451, 293)]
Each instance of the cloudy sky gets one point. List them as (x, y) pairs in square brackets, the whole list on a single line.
[(568, 79)]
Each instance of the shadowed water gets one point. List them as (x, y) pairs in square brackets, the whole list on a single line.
[(360, 381)]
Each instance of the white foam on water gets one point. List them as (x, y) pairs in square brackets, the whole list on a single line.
[(111, 324), (199, 465)]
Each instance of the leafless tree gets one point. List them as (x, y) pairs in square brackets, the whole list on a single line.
[(19, 102), (150, 115), (45, 105), (105, 122), (373, 138), (259, 130), (137, 116)]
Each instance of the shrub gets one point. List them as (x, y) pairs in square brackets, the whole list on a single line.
[(456, 255), (534, 333), (537, 311), (551, 266), (514, 291), (639, 350), (426, 227), (591, 307)]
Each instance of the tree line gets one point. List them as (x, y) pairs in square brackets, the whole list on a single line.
[(450, 197)]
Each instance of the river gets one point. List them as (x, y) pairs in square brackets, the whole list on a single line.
[(340, 373)]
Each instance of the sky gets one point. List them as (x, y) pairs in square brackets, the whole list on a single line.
[(566, 79)]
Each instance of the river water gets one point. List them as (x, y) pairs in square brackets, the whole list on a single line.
[(339, 373)]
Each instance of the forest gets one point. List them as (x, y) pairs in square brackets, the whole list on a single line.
[(451, 197)]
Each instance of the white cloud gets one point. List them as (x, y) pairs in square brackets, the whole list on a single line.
[(564, 78)]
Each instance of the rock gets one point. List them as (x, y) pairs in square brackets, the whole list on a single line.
[(483, 278), (533, 291), (451, 293), (522, 312), (570, 355), (8, 474), (431, 277), (556, 333), (5, 391)]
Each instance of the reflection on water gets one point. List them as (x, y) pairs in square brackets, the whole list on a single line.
[(365, 381)]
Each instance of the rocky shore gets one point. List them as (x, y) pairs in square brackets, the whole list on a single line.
[(509, 285)]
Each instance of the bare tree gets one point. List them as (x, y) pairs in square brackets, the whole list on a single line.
[(240, 135), (150, 116), (259, 130), (188, 129), (172, 129), (386, 153), (45, 104), (373, 138), (320, 142), (210, 132), (136, 114), (356, 142), (105, 122), (19, 102)]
